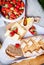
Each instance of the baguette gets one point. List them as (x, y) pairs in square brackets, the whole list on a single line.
[(32, 44), (13, 51)]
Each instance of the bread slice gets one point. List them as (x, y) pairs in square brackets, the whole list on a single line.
[(21, 29), (34, 43), (16, 36), (13, 51), (20, 32)]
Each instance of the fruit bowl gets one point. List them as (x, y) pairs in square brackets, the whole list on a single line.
[(12, 16)]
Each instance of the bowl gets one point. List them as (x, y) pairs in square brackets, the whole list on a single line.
[(14, 20)]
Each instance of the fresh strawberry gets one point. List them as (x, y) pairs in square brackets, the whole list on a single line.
[(14, 1), (20, 11), (18, 3), (7, 2), (12, 33), (17, 6), (7, 10), (19, 0), (16, 30), (16, 9), (10, 5), (33, 27), (3, 9), (32, 30), (12, 16), (34, 33), (1, 2), (22, 4), (17, 45)]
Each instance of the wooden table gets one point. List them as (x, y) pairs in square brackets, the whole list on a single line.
[(37, 61)]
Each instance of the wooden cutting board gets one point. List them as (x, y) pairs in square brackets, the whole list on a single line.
[(37, 61)]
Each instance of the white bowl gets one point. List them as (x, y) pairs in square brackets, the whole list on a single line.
[(14, 20)]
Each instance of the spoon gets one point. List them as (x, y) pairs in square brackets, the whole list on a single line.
[(25, 18)]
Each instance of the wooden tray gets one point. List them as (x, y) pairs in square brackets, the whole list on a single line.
[(37, 61)]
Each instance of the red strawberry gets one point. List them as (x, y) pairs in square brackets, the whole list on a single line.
[(10, 5), (12, 33), (16, 9), (1, 2), (33, 27), (7, 10), (6, 2), (14, 1), (3, 9), (20, 11), (12, 16), (16, 31), (32, 30), (22, 4), (17, 45), (17, 6), (19, 0), (34, 33)]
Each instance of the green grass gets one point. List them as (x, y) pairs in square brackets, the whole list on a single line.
[(41, 3)]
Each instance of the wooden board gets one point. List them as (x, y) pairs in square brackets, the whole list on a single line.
[(37, 61)]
